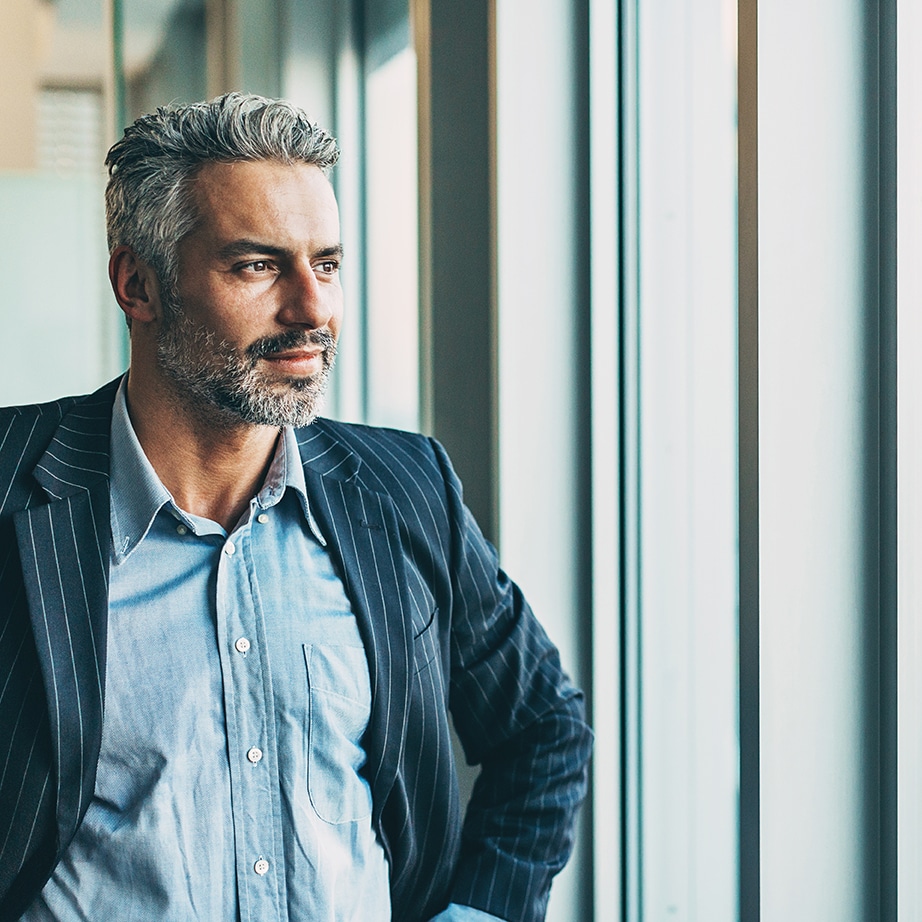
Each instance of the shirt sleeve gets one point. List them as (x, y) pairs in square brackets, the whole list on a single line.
[(458, 913)]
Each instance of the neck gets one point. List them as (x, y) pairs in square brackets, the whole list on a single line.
[(211, 468)]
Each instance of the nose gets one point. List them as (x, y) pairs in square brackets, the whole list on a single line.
[(308, 301)]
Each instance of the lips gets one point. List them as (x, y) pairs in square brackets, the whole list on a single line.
[(295, 355), (300, 360)]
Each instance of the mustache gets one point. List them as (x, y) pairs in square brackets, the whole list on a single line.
[(291, 339)]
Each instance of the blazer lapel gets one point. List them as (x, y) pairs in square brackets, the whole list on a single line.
[(363, 538), (64, 549)]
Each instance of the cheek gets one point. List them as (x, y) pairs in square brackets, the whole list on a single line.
[(229, 318), (336, 317)]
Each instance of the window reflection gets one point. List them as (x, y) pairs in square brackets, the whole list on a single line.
[(164, 54), (393, 239), (52, 67), (54, 91)]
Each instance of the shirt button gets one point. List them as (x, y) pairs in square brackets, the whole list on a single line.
[(261, 866), (262, 518), (229, 548), (241, 645), (254, 754), (181, 530)]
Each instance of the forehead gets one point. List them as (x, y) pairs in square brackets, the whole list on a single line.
[(265, 198)]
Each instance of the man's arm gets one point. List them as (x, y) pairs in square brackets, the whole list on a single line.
[(518, 717)]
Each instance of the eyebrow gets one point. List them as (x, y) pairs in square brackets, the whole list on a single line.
[(246, 247)]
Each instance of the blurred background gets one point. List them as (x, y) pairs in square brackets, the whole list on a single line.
[(634, 263)]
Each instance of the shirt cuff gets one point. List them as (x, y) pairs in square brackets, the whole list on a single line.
[(457, 913)]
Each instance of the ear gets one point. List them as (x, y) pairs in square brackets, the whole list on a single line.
[(135, 285)]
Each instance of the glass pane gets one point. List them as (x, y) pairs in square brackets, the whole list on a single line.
[(164, 54), (909, 462), (60, 327), (680, 346), (393, 241)]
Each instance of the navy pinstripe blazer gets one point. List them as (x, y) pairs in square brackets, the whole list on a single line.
[(443, 626)]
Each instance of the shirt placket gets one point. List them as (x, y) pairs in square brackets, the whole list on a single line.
[(252, 749)]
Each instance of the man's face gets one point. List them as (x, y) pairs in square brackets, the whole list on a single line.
[(249, 335)]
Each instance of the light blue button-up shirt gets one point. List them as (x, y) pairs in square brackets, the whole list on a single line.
[(237, 692)]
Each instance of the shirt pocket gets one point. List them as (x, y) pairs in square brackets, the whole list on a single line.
[(339, 710)]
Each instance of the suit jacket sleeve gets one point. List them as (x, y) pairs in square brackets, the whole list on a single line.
[(517, 716)]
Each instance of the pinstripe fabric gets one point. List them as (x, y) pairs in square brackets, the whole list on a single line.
[(53, 590), (441, 624)]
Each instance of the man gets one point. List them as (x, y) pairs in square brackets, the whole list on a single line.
[(231, 632)]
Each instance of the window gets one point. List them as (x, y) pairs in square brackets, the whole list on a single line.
[(59, 332), (634, 263)]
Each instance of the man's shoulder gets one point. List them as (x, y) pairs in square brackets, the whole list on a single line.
[(361, 435), (51, 409), (51, 412), (30, 425), (27, 430), (380, 456)]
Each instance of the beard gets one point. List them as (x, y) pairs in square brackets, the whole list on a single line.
[(222, 383)]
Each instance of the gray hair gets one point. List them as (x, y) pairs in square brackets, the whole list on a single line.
[(149, 202)]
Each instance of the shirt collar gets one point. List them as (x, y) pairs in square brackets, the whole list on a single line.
[(137, 494), (286, 472)]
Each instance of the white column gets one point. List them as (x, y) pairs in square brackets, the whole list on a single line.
[(540, 259), (816, 466)]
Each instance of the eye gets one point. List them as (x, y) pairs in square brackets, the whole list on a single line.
[(328, 267), (255, 267)]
